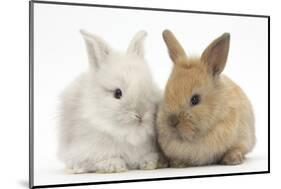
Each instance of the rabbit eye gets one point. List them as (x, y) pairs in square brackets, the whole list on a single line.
[(117, 93), (195, 99)]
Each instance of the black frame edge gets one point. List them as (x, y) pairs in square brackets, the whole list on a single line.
[(31, 126), (150, 8), (268, 22), (149, 180)]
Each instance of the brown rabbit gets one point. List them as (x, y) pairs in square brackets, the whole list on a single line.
[(205, 118)]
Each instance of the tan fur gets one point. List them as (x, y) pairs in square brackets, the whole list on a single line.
[(218, 130), (175, 50)]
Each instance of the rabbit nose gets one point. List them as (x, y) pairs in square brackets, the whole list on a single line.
[(138, 117), (173, 120)]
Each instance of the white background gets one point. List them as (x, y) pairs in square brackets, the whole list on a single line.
[(14, 93), (60, 55)]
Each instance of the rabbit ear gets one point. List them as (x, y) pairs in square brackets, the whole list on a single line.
[(215, 55), (97, 48), (175, 50), (136, 45)]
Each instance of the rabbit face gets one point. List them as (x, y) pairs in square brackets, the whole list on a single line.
[(121, 92), (125, 91), (193, 100), (190, 101)]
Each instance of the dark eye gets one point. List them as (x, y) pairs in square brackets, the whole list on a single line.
[(195, 99), (117, 93)]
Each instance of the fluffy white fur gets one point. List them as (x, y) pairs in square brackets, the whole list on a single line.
[(99, 133)]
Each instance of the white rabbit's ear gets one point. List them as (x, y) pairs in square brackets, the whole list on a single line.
[(97, 48), (136, 45)]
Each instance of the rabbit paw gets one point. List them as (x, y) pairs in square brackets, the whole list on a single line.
[(77, 168), (233, 157), (149, 162), (113, 165)]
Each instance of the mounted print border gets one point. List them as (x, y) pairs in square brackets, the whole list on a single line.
[(31, 92)]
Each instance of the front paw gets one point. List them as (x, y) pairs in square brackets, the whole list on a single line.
[(112, 165), (78, 168), (233, 157), (149, 162)]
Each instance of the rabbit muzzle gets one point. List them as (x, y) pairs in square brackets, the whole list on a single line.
[(183, 125)]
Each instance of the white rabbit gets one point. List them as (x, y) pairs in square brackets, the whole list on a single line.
[(108, 113)]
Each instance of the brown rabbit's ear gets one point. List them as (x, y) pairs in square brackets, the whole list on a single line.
[(215, 55), (175, 50)]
